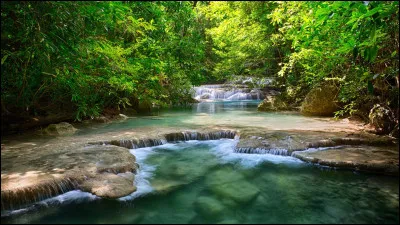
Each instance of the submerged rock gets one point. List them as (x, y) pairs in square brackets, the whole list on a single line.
[(321, 101), (163, 186), (62, 128), (231, 185), (208, 206), (240, 191)]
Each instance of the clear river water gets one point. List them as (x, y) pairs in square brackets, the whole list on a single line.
[(206, 182)]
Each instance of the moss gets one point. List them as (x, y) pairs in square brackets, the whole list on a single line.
[(321, 100)]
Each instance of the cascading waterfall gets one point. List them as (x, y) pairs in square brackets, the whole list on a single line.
[(282, 152), (171, 137), (132, 144), (18, 198), (227, 92), (189, 135)]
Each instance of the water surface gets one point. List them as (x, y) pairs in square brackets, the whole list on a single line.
[(205, 182)]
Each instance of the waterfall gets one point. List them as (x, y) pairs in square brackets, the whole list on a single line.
[(18, 198), (227, 92), (132, 144), (282, 152), (194, 135), (171, 137)]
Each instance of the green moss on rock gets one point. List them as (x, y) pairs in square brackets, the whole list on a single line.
[(321, 100)]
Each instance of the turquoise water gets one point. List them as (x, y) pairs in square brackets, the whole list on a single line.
[(222, 113), (205, 182)]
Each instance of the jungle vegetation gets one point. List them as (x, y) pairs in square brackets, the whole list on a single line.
[(87, 57)]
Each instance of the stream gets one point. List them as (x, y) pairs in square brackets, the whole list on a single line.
[(207, 182)]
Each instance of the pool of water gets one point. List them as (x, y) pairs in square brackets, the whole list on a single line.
[(220, 113), (206, 182)]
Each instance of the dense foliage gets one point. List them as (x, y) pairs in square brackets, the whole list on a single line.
[(304, 43), (94, 55), (88, 56)]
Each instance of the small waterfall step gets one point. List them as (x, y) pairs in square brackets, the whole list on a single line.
[(170, 137), (228, 92), (281, 152)]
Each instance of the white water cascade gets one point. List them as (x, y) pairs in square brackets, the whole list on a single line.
[(227, 92)]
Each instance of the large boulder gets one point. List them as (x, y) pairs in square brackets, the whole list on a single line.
[(272, 103), (321, 100), (62, 128), (382, 118)]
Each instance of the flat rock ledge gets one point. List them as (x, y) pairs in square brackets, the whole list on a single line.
[(359, 158), (359, 152), (104, 170)]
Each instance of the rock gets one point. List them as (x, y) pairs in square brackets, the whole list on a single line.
[(229, 184), (205, 96), (382, 118), (163, 186), (121, 117), (127, 175), (321, 100), (240, 191), (104, 170), (62, 128), (108, 185), (223, 176), (382, 159), (272, 103), (267, 104), (208, 206), (101, 119)]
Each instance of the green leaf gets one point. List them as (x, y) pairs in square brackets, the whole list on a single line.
[(370, 87), (372, 53), (4, 59), (372, 12)]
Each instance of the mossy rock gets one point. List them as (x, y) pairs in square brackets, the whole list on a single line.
[(321, 100), (273, 103), (62, 128)]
